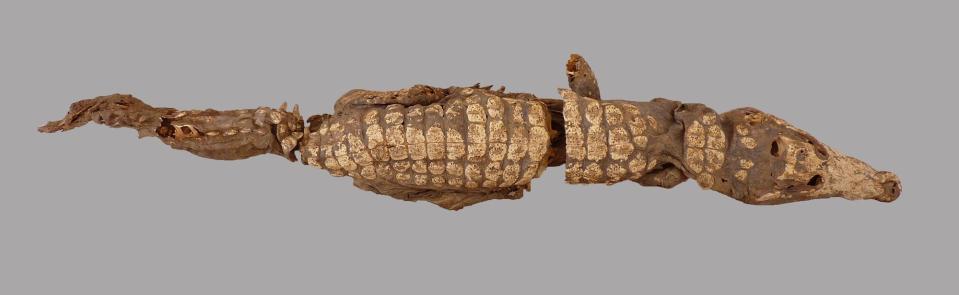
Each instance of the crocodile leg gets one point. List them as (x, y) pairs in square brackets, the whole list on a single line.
[(581, 78)]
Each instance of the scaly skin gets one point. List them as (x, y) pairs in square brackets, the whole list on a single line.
[(746, 154), (219, 135), (453, 147), (459, 146)]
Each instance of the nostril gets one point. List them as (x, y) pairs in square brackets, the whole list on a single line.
[(816, 180), (892, 190)]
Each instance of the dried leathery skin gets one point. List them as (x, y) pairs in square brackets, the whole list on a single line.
[(220, 135), (459, 146)]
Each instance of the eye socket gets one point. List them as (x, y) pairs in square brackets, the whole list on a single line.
[(774, 148), (816, 180)]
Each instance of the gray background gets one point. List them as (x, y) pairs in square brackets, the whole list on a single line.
[(97, 211)]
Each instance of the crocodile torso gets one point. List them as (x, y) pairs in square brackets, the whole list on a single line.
[(471, 144)]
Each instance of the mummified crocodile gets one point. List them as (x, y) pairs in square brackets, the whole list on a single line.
[(458, 146)]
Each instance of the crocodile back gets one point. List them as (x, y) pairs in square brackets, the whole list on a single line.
[(472, 140), (608, 141)]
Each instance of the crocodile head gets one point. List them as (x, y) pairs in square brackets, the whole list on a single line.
[(768, 161)]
